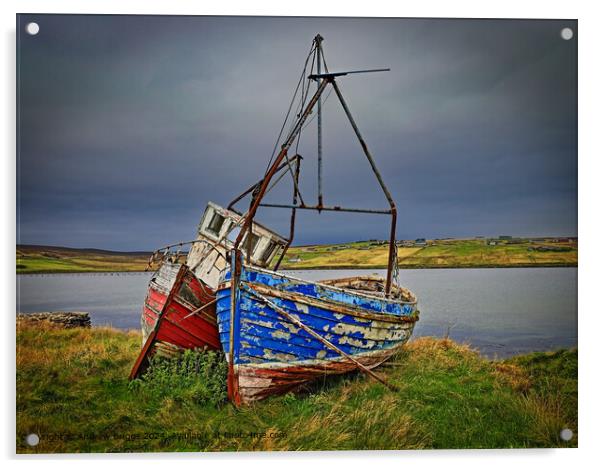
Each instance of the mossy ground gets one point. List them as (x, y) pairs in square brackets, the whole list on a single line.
[(72, 390)]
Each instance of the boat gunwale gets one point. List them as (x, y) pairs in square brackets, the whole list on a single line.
[(356, 292), (342, 308)]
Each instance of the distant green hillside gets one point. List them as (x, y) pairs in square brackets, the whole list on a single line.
[(46, 259), (446, 253)]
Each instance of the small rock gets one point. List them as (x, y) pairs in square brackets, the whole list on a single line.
[(63, 319)]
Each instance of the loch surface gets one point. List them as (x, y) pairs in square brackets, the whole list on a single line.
[(502, 311)]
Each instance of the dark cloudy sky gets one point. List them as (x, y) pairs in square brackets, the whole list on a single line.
[(129, 125)]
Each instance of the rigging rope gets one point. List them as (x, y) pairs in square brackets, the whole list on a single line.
[(304, 96), (303, 84), (323, 60), (314, 116), (301, 78)]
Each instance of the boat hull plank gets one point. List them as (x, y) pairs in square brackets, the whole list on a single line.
[(256, 382)]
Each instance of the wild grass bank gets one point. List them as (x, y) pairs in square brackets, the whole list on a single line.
[(72, 390)]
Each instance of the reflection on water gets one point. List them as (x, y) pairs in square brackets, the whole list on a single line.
[(500, 311)]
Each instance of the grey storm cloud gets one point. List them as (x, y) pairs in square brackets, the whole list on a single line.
[(128, 125)]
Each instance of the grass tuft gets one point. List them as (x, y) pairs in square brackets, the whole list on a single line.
[(198, 377)]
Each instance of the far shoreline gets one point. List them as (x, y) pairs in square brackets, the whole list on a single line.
[(359, 255), (328, 267)]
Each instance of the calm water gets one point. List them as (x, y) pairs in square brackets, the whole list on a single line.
[(499, 311)]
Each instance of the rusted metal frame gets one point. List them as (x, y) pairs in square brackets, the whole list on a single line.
[(326, 208), (332, 76), (181, 244), (275, 182), (289, 162), (249, 246), (291, 235), (380, 181), (318, 41), (320, 338), (242, 195), (250, 189), (278, 161)]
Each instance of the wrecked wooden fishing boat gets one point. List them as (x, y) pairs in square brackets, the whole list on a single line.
[(280, 332), (179, 308), (288, 332)]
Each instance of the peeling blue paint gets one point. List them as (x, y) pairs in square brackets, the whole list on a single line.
[(263, 335)]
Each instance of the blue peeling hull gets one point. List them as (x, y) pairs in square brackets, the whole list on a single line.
[(272, 354)]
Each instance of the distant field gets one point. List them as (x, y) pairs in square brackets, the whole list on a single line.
[(475, 253), (439, 254), (43, 259)]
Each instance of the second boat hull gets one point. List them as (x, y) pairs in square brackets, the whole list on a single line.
[(178, 314)]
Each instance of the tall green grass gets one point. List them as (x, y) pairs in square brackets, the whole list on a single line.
[(197, 376), (72, 390)]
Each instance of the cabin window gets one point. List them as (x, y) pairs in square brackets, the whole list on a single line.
[(233, 234), (269, 250), (216, 223), (250, 242)]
